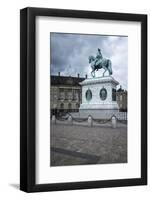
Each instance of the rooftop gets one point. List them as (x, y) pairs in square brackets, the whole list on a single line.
[(121, 89), (66, 80)]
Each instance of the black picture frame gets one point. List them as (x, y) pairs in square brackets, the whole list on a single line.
[(28, 99)]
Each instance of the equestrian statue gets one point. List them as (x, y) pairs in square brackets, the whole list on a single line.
[(99, 62)]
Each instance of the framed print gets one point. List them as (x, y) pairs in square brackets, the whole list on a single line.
[(83, 99)]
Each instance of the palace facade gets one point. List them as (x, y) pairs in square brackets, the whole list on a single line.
[(121, 98), (65, 94)]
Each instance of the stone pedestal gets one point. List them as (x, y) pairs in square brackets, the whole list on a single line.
[(99, 97)]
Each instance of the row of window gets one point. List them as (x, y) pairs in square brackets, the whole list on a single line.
[(69, 106), (121, 97), (63, 96)]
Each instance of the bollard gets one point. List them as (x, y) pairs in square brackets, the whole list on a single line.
[(90, 121), (114, 122), (70, 121), (53, 119)]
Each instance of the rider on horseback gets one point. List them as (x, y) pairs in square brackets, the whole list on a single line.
[(98, 59), (99, 62)]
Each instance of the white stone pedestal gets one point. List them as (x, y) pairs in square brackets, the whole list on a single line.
[(99, 97)]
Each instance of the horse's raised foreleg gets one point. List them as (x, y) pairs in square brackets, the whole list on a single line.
[(110, 67), (104, 71), (93, 73)]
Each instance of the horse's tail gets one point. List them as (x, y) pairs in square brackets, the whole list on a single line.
[(110, 67)]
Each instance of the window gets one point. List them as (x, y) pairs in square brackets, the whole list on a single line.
[(62, 106), (69, 106), (77, 106)]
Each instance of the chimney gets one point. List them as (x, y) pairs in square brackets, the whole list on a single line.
[(58, 73), (86, 76), (78, 75)]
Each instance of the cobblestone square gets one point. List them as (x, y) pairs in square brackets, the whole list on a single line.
[(79, 145)]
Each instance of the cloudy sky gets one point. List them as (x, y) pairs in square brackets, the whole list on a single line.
[(70, 52)]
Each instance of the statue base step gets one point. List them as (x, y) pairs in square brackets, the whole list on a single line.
[(98, 113)]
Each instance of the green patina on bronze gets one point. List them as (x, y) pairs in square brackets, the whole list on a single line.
[(113, 94), (88, 95), (99, 62), (103, 94)]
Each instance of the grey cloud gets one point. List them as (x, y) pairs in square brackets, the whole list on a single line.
[(70, 52)]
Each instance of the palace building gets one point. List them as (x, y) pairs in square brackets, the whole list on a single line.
[(65, 93), (121, 98)]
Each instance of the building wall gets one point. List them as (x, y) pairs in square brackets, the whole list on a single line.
[(65, 98), (121, 98)]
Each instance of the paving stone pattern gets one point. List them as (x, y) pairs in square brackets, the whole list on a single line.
[(79, 145)]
